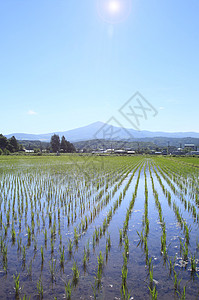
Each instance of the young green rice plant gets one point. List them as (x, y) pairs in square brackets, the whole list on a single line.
[(121, 234), (68, 290), (75, 273), (25, 298), (50, 219), (24, 254), (124, 275), (45, 236), (125, 295), (62, 257), (17, 287), (141, 236), (87, 250), (151, 277), (52, 266), (5, 253), (35, 244), (5, 229), (183, 294), (153, 293), (124, 270), (94, 288), (13, 234), (96, 235), (29, 235), (29, 269), (193, 264), (94, 240), (100, 260), (70, 246), (126, 245), (108, 242), (107, 250), (84, 258), (42, 255), (40, 288), (75, 236), (176, 281), (52, 246), (170, 265)]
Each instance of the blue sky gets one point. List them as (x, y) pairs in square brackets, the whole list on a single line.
[(64, 65)]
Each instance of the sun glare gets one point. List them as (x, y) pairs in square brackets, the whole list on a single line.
[(114, 11), (114, 6)]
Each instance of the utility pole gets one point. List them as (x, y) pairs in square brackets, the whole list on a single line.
[(138, 148), (168, 148)]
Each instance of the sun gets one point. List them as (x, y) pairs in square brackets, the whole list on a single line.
[(114, 6), (114, 11)]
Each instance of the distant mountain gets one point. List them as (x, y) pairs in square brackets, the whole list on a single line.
[(100, 130)]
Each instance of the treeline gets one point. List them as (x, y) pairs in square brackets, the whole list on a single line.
[(63, 146), (9, 145)]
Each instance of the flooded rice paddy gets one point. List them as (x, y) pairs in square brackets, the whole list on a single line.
[(88, 227)]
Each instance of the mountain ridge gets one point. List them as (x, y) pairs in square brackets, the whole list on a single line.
[(98, 129)]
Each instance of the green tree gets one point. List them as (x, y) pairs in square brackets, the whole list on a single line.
[(70, 147), (3, 142), (13, 145), (63, 146), (55, 143)]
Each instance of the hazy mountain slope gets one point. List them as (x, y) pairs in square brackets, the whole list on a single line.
[(99, 130)]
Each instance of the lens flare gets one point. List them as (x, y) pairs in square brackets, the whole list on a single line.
[(114, 6), (114, 11)]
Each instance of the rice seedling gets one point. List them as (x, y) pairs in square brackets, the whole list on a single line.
[(153, 293), (68, 290), (183, 294), (13, 235), (70, 246), (52, 265), (62, 257), (17, 287), (40, 288), (25, 298), (75, 273), (151, 276), (24, 253), (193, 263), (42, 255), (121, 234), (124, 275), (126, 245), (75, 236), (176, 281), (29, 269), (125, 295)]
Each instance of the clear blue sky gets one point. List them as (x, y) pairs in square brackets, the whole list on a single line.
[(66, 64)]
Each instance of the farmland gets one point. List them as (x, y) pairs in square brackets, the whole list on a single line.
[(86, 227)]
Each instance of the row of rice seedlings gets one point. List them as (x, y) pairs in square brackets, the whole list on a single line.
[(162, 223), (186, 177), (187, 204), (175, 208), (183, 247), (132, 202), (98, 232), (124, 290)]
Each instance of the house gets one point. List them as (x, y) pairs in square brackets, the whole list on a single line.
[(189, 146), (130, 152), (29, 151), (120, 151), (194, 152)]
